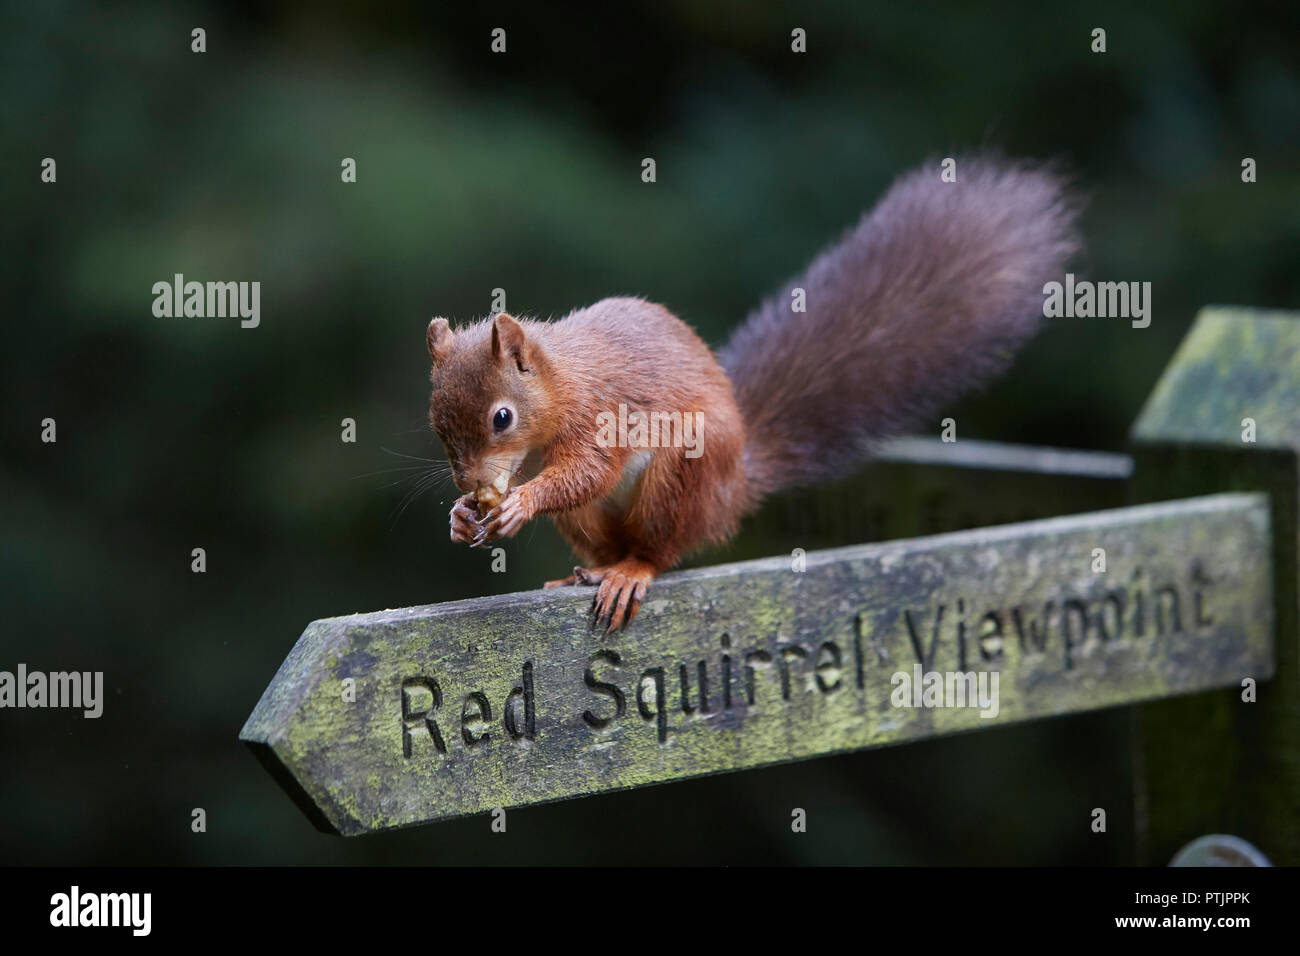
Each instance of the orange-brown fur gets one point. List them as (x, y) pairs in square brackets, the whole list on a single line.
[(560, 377), (926, 297)]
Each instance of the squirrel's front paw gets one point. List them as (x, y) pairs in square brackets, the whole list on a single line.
[(507, 518), (464, 520)]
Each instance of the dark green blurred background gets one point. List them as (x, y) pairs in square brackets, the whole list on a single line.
[(522, 171)]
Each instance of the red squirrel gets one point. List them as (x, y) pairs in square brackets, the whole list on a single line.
[(926, 297)]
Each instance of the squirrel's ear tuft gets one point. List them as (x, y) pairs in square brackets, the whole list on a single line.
[(438, 338), (509, 340)]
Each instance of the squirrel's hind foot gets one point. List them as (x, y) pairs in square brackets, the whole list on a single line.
[(579, 576), (622, 589), (563, 582)]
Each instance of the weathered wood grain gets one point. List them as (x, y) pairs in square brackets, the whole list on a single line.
[(496, 702)]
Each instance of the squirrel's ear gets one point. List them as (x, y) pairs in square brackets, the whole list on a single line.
[(438, 338), (508, 339)]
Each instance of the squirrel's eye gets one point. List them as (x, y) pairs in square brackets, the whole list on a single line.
[(502, 419)]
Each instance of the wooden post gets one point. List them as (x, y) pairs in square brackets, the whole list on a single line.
[(1226, 416), (916, 486)]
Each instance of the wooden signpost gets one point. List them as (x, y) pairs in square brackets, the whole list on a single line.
[(495, 702), (409, 716)]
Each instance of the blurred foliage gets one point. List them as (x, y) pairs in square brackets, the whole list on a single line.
[(521, 171)]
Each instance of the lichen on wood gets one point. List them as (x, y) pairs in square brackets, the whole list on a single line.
[(503, 701)]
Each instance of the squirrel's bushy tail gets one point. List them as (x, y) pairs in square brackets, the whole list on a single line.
[(927, 296)]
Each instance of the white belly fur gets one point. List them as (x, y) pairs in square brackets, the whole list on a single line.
[(620, 498)]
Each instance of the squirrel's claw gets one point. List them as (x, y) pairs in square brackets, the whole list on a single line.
[(579, 576), (622, 589), (505, 520), (464, 522)]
